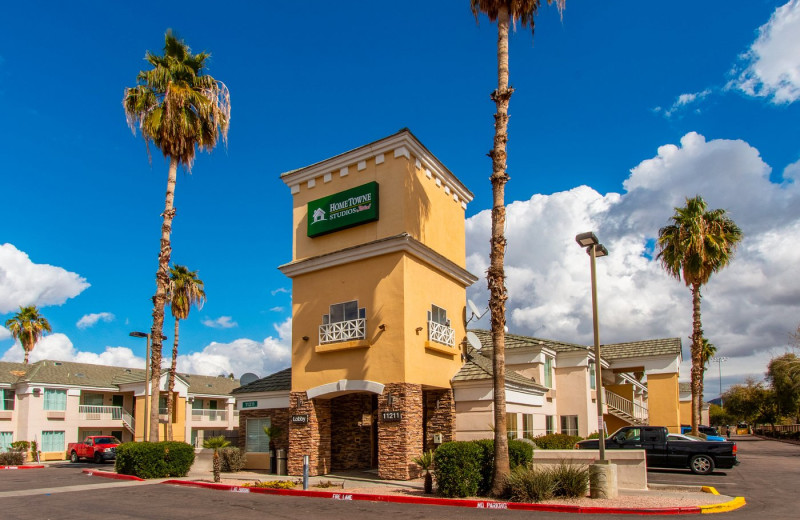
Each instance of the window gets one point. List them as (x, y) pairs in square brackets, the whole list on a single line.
[(257, 440), (344, 322), (93, 399), (53, 441), (549, 424), (592, 384), (55, 400), (7, 401), (162, 404), (439, 329), (548, 372), (569, 424), (511, 425), (197, 404), (527, 426), (5, 441)]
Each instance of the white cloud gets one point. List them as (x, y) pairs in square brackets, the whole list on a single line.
[(748, 308), (276, 309), (223, 322), (23, 282), (279, 290), (58, 346), (242, 355), (771, 67), (4, 333), (89, 320), (683, 101)]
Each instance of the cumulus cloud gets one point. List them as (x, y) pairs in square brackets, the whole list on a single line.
[(89, 320), (223, 322), (748, 308), (242, 355), (683, 101), (4, 333), (771, 67), (23, 282), (59, 347)]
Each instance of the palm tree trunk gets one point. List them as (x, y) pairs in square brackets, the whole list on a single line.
[(27, 354), (171, 384), (160, 298), (697, 361), (496, 272), (215, 465)]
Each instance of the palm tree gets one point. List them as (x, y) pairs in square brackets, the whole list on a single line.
[(178, 108), (28, 326), (695, 245), (216, 443), (707, 351), (502, 11), (185, 290)]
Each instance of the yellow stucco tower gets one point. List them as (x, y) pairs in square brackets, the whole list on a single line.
[(378, 293)]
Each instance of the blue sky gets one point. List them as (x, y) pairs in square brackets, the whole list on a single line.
[(621, 110)]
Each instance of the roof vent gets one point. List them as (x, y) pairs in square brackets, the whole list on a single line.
[(128, 370), (57, 363), (209, 385), (80, 374)]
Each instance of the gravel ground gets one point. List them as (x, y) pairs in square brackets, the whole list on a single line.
[(674, 497)]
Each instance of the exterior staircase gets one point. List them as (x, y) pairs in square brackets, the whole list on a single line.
[(625, 409)]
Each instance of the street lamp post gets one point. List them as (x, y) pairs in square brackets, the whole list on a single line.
[(603, 475), (147, 361), (719, 360)]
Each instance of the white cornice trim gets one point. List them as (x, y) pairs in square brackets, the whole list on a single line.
[(398, 144), (400, 243)]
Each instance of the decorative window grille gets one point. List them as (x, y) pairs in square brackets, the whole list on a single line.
[(345, 322), (439, 329)]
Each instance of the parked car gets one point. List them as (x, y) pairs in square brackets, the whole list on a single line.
[(98, 448), (700, 456), (709, 432)]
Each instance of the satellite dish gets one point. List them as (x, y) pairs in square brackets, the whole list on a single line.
[(248, 378), (476, 313), (473, 340)]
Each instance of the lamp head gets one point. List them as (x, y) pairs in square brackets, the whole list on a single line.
[(586, 239), (139, 334)]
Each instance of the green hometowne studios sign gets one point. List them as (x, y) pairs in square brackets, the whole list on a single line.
[(342, 210)]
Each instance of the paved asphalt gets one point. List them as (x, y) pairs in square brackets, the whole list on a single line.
[(768, 477)]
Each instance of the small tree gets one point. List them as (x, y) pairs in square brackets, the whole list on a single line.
[(216, 443), (425, 461)]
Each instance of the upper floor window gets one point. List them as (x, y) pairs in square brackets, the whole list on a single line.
[(548, 372), (592, 384), (7, 401), (55, 399), (344, 322), (439, 329)]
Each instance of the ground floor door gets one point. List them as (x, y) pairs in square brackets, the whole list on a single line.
[(354, 432)]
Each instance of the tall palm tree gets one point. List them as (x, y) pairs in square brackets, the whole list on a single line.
[(502, 11), (185, 290), (216, 443), (698, 243), (707, 351), (178, 108), (28, 326)]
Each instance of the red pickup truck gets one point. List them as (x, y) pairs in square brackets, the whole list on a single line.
[(98, 448)]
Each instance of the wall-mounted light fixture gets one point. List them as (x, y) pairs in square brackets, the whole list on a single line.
[(300, 402), (390, 401), (305, 338), (382, 326), (419, 329)]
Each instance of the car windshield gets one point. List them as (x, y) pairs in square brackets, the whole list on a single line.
[(106, 440)]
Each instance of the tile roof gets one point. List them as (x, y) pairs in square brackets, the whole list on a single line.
[(103, 376), (478, 367), (649, 347), (514, 341), (272, 383)]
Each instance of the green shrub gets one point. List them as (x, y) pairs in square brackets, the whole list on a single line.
[(520, 453), (232, 459), (530, 484), (12, 457), (458, 468), (20, 445), (571, 480), (272, 484), (154, 459), (556, 441)]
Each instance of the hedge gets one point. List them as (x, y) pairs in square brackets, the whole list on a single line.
[(154, 459), (556, 441), (457, 477)]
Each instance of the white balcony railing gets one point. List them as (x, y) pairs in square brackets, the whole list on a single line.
[(209, 415), (100, 413), (343, 331), (636, 412), (441, 333)]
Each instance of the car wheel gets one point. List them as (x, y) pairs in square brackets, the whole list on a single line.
[(701, 464), (73, 457), (98, 457)]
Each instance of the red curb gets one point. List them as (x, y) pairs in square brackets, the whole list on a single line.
[(111, 474), (35, 466), (478, 504)]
